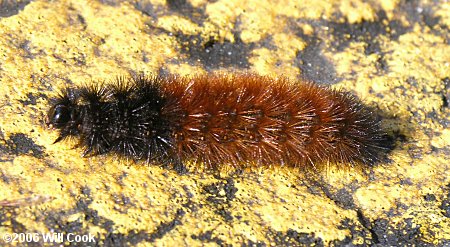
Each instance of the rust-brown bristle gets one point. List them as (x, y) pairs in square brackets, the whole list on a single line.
[(220, 120)]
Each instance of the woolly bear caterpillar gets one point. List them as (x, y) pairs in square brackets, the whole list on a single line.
[(219, 119)]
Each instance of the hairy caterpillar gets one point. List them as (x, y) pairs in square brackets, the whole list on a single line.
[(219, 119)]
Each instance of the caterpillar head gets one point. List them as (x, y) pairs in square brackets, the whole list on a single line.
[(63, 114), (58, 116)]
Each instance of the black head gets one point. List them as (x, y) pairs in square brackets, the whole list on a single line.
[(64, 114), (58, 116)]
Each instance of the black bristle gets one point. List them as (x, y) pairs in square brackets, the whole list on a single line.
[(123, 118)]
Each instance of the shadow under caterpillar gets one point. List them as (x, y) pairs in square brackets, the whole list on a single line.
[(220, 119)]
